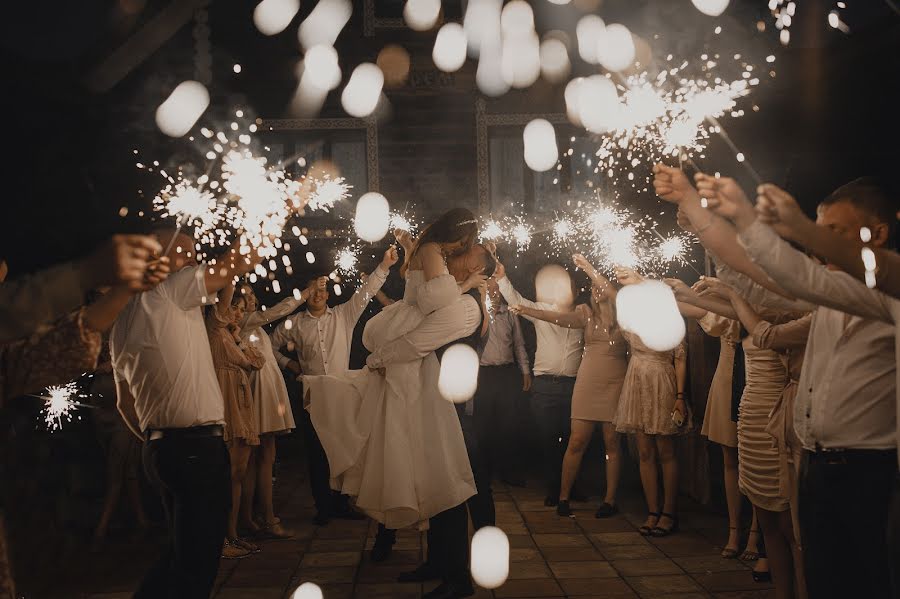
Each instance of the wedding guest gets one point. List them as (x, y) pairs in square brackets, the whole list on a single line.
[(168, 395), (233, 363), (598, 384), (322, 336), (556, 363), (651, 405), (272, 416)]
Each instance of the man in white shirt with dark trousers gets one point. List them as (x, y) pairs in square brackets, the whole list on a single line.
[(322, 337), (169, 396), (556, 363)]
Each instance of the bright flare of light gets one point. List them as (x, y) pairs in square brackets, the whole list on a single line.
[(673, 249), (490, 557), (521, 233), (589, 32), (58, 406), (555, 65), (373, 217), (713, 8), (190, 205), (517, 19), (320, 65), (615, 49), (648, 309), (449, 53), (346, 260), (482, 25), (178, 113), (563, 229), (553, 285), (521, 59), (361, 95), (541, 153), (308, 590), (324, 23), (572, 96), (421, 15), (273, 16), (328, 191), (458, 379), (489, 76), (492, 231), (261, 196), (598, 104)]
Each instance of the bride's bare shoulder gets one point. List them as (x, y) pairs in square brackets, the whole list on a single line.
[(426, 253)]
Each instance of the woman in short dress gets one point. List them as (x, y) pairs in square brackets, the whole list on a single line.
[(597, 386)]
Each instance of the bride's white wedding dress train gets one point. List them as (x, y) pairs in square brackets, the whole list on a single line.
[(393, 443)]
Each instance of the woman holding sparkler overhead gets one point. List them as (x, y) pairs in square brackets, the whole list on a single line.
[(597, 385)]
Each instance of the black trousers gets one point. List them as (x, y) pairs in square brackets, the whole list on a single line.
[(317, 466), (894, 537), (193, 476), (551, 402), (448, 545), (481, 505), (497, 419), (844, 502)]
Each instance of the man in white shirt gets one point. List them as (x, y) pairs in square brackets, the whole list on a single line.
[(556, 363), (845, 412), (169, 396), (322, 337)]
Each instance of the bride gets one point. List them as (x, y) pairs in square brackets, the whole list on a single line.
[(393, 443)]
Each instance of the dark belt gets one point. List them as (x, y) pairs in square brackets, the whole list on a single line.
[(556, 378), (191, 432), (828, 456), (486, 366)]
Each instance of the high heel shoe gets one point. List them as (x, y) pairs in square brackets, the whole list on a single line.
[(762, 577), (729, 553), (646, 530), (658, 531)]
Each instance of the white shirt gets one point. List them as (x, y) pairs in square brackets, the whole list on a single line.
[(450, 323), (559, 349), (847, 396), (323, 344), (160, 349)]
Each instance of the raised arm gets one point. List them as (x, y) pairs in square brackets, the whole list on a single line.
[(781, 337), (276, 312), (779, 209), (353, 308), (691, 303), (570, 320)]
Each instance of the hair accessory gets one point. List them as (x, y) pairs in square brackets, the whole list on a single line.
[(467, 222)]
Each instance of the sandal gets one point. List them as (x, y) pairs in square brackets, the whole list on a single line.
[(728, 552), (232, 551), (748, 555), (658, 531), (606, 510), (245, 544), (275, 531), (645, 530)]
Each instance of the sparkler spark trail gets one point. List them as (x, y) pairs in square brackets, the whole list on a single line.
[(346, 260), (328, 191), (58, 406)]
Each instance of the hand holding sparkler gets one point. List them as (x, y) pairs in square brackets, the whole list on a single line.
[(684, 221), (627, 276), (405, 239), (713, 286), (778, 209), (519, 310), (671, 184), (390, 258), (726, 198), (124, 259), (682, 292)]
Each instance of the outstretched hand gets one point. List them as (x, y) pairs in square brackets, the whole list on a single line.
[(390, 258), (725, 197), (713, 286), (627, 276), (682, 292), (778, 209)]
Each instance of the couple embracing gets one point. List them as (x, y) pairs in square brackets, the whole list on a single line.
[(393, 443)]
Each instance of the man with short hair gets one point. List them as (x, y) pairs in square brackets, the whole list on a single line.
[(169, 396), (322, 337)]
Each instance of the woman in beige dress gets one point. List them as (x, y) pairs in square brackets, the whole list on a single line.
[(653, 392), (233, 363), (597, 386)]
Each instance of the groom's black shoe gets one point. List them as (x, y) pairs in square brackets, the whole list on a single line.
[(384, 545), (447, 590), (423, 573)]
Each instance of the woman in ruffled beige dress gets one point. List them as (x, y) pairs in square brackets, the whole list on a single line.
[(233, 362), (597, 386), (652, 393)]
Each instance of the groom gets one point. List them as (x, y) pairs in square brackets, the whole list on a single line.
[(461, 322)]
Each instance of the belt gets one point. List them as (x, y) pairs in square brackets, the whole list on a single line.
[(555, 377), (191, 432), (823, 455), (507, 365)]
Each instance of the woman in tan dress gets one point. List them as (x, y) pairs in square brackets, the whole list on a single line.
[(597, 386), (651, 395), (233, 363)]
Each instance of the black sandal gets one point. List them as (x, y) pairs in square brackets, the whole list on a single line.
[(730, 553), (647, 530), (658, 531)]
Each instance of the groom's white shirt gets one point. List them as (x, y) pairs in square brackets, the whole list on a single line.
[(455, 321)]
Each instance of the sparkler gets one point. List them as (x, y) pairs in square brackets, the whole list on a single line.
[(346, 260), (328, 191), (58, 405)]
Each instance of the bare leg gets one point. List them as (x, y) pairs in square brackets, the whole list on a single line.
[(647, 455), (786, 526), (732, 498), (110, 502), (778, 551), (240, 455), (751, 551), (265, 464), (248, 490), (612, 441), (134, 497), (665, 447), (578, 442)]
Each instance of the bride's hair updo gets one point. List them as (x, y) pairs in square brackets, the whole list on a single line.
[(458, 224)]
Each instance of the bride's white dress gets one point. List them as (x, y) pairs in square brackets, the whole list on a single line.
[(393, 443)]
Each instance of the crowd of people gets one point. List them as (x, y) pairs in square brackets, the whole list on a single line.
[(803, 403)]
